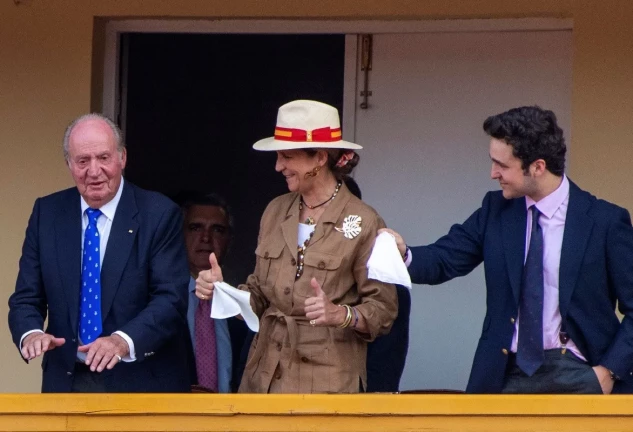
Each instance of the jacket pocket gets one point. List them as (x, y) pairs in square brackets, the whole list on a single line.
[(321, 266), (268, 257)]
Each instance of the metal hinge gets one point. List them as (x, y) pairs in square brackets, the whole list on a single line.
[(365, 66)]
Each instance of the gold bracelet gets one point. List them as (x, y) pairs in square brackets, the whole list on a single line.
[(348, 316)]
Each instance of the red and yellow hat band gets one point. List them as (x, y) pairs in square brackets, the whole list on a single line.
[(325, 134)]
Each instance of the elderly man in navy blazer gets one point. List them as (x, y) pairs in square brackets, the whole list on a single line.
[(556, 261), (105, 260)]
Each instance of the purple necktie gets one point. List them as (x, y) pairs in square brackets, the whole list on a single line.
[(206, 347)]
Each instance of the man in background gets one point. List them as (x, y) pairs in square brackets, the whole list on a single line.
[(218, 344)]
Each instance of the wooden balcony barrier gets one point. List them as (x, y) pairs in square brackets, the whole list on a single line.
[(345, 413)]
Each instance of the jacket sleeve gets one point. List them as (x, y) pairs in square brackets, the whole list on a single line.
[(619, 244), (27, 305), (259, 302), (455, 254), (378, 300)]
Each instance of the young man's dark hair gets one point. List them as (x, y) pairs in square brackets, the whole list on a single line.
[(533, 134)]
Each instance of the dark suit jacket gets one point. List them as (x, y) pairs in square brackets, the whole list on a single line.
[(144, 281), (596, 268), (387, 354), (241, 338)]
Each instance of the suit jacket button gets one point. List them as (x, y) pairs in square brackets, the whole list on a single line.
[(281, 319), (504, 351), (321, 265), (293, 261), (304, 359), (278, 346), (512, 320), (266, 255), (69, 373), (287, 290)]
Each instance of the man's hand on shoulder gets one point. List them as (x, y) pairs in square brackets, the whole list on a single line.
[(105, 352), (37, 343)]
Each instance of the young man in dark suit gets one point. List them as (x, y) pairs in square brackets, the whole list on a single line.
[(556, 260)]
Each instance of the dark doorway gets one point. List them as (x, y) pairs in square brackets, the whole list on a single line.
[(196, 103)]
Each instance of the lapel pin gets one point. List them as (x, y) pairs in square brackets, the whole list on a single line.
[(131, 231)]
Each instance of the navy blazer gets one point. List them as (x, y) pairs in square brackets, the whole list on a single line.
[(144, 281), (596, 269), (387, 354)]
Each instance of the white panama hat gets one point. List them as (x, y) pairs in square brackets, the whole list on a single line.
[(304, 124)]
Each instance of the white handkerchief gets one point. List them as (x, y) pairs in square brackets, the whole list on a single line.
[(385, 263), (228, 302)]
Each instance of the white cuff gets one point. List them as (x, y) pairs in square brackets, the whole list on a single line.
[(26, 334), (409, 259), (132, 356)]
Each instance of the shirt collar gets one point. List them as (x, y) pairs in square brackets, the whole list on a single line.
[(548, 205), (109, 208)]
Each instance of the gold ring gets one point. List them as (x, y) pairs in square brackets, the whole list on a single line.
[(119, 357), (203, 297), (312, 323)]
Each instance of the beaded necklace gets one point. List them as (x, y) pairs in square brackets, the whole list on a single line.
[(309, 221), (301, 201)]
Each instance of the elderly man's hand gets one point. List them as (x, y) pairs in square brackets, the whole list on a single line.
[(37, 343), (206, 279), (402, 246), (105, 353)]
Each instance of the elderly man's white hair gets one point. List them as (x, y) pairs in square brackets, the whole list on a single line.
[(118, 135)]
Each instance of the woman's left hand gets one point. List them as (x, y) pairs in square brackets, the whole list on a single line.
[(320, 310)]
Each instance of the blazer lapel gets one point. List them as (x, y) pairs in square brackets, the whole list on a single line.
[(513, 220), (122, 236), (578, 226), (68, 244)]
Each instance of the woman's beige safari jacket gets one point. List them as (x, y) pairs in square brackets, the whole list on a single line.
[(288, 355)]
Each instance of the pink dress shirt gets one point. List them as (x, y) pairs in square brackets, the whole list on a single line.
[(553, 210)]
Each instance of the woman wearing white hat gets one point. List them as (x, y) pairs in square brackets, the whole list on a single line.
[(317, 307)]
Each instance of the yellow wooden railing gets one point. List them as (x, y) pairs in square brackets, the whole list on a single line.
[(345, 413)]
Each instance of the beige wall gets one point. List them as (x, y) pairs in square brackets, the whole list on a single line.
[(45, 80)]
